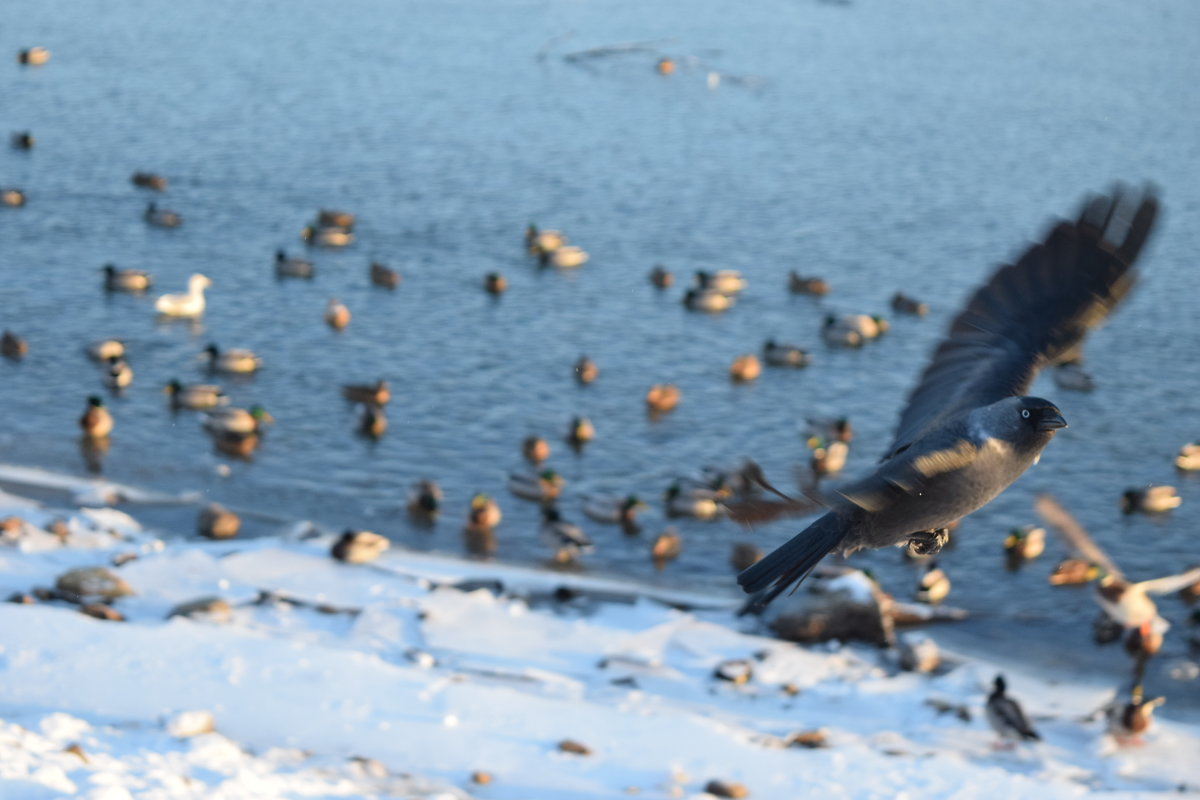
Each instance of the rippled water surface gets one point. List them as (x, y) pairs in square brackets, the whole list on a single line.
[(882, 145)]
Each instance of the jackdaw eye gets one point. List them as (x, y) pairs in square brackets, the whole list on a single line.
[(1024, 413)]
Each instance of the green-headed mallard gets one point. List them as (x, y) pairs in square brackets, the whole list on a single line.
[(539, 241), (483, 513), (827, 458), (494, 283), (378, 392), (23, 140), (13, 346), (217, 522), (1127, 721), (661, 277), (907, 305), (330, 236), (292, 267), (149, 180), (777, 354), (104, 349), (1151, 500), (852, 330), (337, 316), (535, 449), (185, 304), (540, 488), (161, 217), (933, 586), (725, 281), (117, 374), (838, 429), (662, 397), (581, 432), (235, 360), (33, 56), (425, 500), (384, 276), (125, 280), (614, 510), (1024, 544), (695, 502), (372, 421), (358, 547), (195, 396), (798, 284), (96, 422), (1073, 572), (745, 368), (709, 300), (236, 420), (567, 539)]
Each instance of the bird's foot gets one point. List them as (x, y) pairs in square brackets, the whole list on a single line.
[(928, 543)]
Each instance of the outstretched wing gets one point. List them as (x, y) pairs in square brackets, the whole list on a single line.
[(1076, 537), (1172, 583), (1032, 313)]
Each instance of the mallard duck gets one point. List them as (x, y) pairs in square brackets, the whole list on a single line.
[(117, 374), (1151, 500), (695, 502), (744, 555), (331, 218), (1188, 458), (832, 430), (483, 513), (383, 276), (662, 397), (907, 305), (540, 488), (708, 300), (105, 349), (801, 285), (161, 217), (827, 458), (1128, 721), (664, 66), (745, 368), (661, 277), (568, 540), (425, 500), (23, 140), (1024, 544), (614, 510), (1143, 641), (1005, 716), (1073, 572), (96, 422), (236, 420), (933, 586), (337, 316), (217, 522), (539, 241), (494, 283), (666, 547), (292, 267), (149, 180), (566, 257), (372, 421), (725, 281), (586, 370), (235, 445), (581, 432), (13, 346), (535, 449), (33, 56), (851, 330), (236, 360), (1071, 377), (331, 236), (358, 547), (13, 198), (186, 304), (784, 355), (196, 396), (125, 280), (378, 393)]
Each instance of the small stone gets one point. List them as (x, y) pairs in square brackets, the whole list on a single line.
[(186, 724), (60, 529), (481, 778), (572, 746), (212, 608), (91, 582), (21, 599), (11, 528), (919, 654), (76, 750), (102, 611), (811, 740), (726, 789), (217, 522)]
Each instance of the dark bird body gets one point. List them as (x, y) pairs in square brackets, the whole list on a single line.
[(1006, 717), (967, 432)]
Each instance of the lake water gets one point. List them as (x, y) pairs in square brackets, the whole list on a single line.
[(885, 146)]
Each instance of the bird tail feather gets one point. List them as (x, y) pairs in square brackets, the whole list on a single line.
[(794, 560)]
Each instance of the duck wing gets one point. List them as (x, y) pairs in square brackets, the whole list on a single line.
[(1073, 534), (1171, 583)]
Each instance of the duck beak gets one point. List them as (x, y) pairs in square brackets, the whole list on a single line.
[(1051, 422)]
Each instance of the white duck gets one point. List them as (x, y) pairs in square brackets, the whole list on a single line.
[(185, 304)]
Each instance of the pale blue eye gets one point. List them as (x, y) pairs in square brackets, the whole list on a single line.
[(1025, 413)]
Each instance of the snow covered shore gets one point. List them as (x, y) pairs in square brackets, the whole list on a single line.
[(422, 676)]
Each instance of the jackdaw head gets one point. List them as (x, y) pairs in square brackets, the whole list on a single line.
[(1040, 415)]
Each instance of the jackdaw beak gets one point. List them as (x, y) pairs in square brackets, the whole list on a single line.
[(1051, 421)]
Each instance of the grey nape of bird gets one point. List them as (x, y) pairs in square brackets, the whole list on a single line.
[(967, 431), (1006, 717)]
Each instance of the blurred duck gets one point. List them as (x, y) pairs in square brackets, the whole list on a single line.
[(383, 276), (566, 257), (372, 421), (217, 522), (483, 514), (331, 218), (664, 66), (1128, 721), (662, 397), (1006, 717), (581, 432), (539, 241), (567, 539), (149, 180), (196, 396), (494, 283), (1188, 458), (23, 140), (1151, 500), (586, 370), (543, 487), (186, 304), (933, 586), (852, 330), (337, 316), (161, 217), (235, 445), (236, 420), (535, 449), (708, 300), (827, 457), (661, 277), (13, 198), (292, 267), (784, 355), (331, 236), (117, 374), (801, 285), (832, 430), (378, 393), (1071, 377), (13, 346), (614, 510), (33, 56), (907, 305), (235, 360), (744, 555), (1024, 544), (125, 280), (96, 422), (694, 502), (666, 547), (1073, 572), (359, 547), (745, 368), (425, 500), (1143, 641), (725, 281), (104, 349)]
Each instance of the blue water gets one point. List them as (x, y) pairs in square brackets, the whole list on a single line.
[(882, 145)]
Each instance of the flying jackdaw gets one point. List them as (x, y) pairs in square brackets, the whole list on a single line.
[(967, 431)]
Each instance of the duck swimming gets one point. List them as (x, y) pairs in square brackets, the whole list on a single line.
[(186, 304)]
